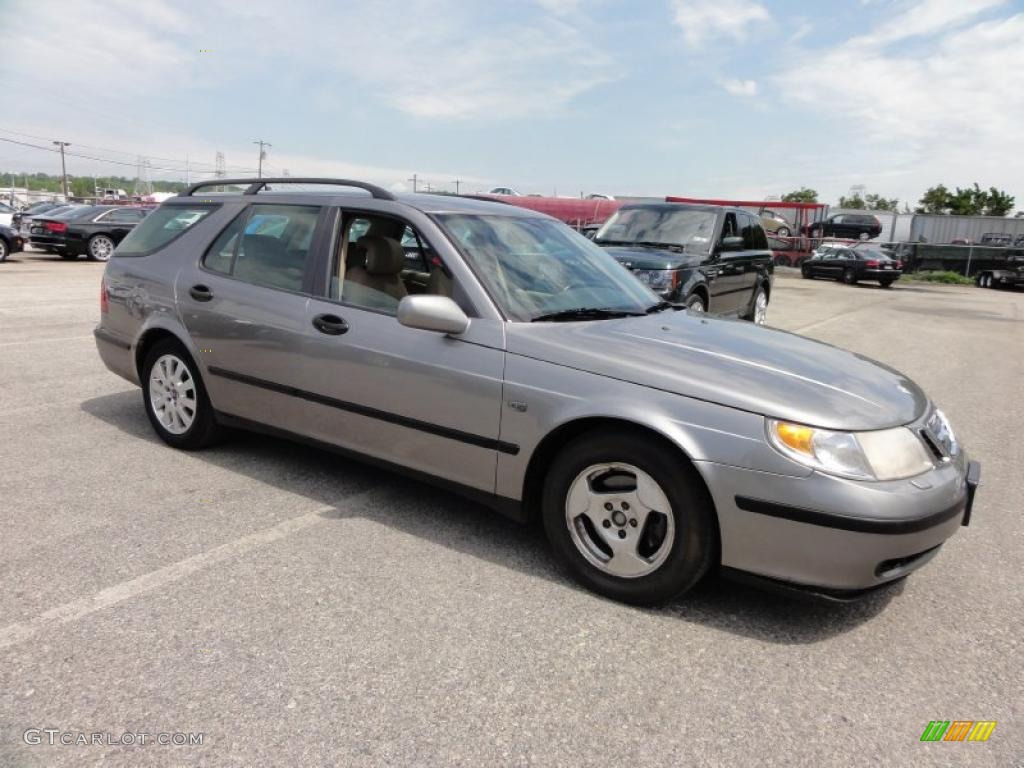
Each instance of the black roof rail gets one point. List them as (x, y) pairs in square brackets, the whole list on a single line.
[(255, 185)]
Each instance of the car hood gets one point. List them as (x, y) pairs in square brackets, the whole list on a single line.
[(652, 258), (733, 363)]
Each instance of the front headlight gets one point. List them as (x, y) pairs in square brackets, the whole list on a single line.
[(887, 454), (658, 280)]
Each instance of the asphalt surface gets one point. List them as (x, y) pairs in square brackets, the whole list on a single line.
[(297, 608)]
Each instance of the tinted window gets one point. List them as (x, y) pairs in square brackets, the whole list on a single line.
[(124, 216), (268, 247), (759, 237), (160, 227), (747, 225)]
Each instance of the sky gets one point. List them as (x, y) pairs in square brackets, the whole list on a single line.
[(734, 99)]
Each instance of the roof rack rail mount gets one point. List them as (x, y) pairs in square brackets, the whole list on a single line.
[(255, 185)]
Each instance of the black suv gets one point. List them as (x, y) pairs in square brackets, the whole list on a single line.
[(707, 257), (856, 226)]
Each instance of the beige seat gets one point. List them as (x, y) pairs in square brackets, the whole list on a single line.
[(378, 284)]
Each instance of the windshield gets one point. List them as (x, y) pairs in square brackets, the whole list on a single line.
[(663, 225), (537, 267)]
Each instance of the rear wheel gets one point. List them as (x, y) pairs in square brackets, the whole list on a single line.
[(4, 250), (849, 276), (100, 247), (983, 281), (886, 283), (629, 519), (695, 303), (758, 312), (176, 401)]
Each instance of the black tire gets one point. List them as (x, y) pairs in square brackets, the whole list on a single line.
[(4, 249), (886, 283), (849, 276), (204, 429), (696, 303), (694, 544), (805, 274), (751, 314)]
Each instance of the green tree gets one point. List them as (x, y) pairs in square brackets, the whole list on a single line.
[(934, 200), (855, 201), (879, 203), (802, 195), (998, 203)]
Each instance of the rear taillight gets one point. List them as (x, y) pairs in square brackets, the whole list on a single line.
[(898, 265), (56, 226), (104, 298), (872, 264)]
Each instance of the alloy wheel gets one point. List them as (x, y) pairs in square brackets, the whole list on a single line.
[(172, 394), (620, 520), (100, 248), (760, 308)]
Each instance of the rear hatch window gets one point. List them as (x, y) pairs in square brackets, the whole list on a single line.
[(161, 227)]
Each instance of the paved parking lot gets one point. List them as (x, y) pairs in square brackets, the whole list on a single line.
[(297, 608)]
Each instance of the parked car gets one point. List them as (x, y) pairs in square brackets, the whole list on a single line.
[(775, 223), (10, 242), (25, 222), (507, 191), (1011, 275), (852, 265), (856, 226), (709, 258), (6, 215), (32, 210), (528, 369), (93, 230)]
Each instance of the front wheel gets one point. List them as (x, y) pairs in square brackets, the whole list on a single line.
[(695, 303), (849, 276), (4, 250), (629, 518), (176, 401), (100, 247)]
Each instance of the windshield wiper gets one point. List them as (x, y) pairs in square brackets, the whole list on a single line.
[(661, 306), (666, 246), (586, 313)]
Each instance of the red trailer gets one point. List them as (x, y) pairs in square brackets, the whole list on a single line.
[(574, 212)]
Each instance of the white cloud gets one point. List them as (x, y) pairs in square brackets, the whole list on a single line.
[(740, 87), (560, 7), (949, 110), (704, 20)]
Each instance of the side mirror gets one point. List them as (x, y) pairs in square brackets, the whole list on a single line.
[(732, 243), (432, 313)]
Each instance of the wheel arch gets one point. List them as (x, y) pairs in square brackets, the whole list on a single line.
[(563, 434), (149, 338)]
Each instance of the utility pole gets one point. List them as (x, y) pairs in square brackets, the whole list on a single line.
[(63, 167), (263, 154), (456, 183), (413, 180)]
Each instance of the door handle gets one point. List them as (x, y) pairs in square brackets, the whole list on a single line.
[(200, 293), (332, 325)]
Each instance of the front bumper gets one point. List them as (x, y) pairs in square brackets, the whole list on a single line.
[(834, 534)]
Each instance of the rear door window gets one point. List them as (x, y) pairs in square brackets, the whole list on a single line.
[(267, 245), (161, 227)]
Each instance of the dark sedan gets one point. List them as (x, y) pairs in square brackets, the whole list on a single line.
[(856, 226), (852, 265), (94, 230), (36, 209), (10, 242)]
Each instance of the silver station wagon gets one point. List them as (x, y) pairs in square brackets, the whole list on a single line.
[(494, 350)]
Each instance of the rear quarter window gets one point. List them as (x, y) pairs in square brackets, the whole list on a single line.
[(161, 227)]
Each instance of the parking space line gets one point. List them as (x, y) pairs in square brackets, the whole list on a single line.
[(14, 634)]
